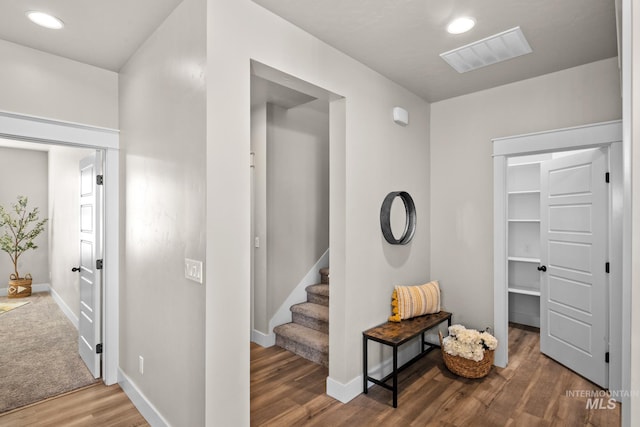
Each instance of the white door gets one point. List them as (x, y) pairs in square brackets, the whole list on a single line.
[(574, 283), (90, 336)]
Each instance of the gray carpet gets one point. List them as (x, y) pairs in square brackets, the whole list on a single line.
[(38, 353)]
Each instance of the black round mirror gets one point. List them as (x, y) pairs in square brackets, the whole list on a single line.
[(388, 206)]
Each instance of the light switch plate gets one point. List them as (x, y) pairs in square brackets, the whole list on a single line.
[(193, 270)]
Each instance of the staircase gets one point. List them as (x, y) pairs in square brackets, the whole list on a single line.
[(308, 334)]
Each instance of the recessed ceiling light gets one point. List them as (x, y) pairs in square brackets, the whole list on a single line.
[(45, 20), (461, 25)]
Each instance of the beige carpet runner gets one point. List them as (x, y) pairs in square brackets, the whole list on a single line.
[(308, 333), (38, 353)]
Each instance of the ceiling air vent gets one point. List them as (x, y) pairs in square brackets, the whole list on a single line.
[(497, 48)]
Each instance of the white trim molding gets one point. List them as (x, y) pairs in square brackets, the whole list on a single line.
[(262, 339), (22, 127), (141, 402), (64, 307), (628, 15), (344, 392), (39, 129), (577, 137), (574, 138)]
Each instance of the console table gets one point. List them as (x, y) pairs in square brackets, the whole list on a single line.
[(394, 334)]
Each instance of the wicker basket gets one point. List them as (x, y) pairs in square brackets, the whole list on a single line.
[(19, 287), (467, 368)]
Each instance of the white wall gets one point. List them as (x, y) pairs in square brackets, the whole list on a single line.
[(462, 169), (297, 195), (64, 222), (44, 85), (376, 157), (259, 311), (632, 115), (24, 173), (162, 146)]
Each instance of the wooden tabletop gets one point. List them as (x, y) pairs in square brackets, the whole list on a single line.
[(396, 333)]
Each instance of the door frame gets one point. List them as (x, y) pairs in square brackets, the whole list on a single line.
[(22, 127), (606, 134)]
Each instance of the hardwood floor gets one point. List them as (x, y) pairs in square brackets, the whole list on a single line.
[(533, 390), (287, 390), (96, 405)]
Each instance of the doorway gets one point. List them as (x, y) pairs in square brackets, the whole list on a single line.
[(53, 316), (22, 128), (517, 300), (289, 194)]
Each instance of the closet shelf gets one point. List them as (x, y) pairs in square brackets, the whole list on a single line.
[(524, 220), (525, 164), (524, 192), (524, 291), (524, 259)]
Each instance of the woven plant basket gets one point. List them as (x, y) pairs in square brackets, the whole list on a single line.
[(467, 368), (19, 287)]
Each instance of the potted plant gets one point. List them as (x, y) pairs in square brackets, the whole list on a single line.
[(20, 227)]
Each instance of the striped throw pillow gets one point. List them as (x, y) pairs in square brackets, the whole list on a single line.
[(413, 301)]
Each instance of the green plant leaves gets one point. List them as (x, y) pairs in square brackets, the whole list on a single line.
[(20, 228)]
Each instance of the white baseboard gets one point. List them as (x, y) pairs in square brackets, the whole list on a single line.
[(140, 401), (525, 319), (64, 307), (344, 392), (263, 340), (39, 287)]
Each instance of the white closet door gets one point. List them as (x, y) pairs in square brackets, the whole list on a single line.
[(574, 284), (89, 325)]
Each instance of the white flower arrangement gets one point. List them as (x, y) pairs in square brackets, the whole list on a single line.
[(468, 343)]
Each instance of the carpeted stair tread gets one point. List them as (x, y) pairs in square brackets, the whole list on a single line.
[(301, 334), (309, 309), (324, 276), (314, 316), (308, 333), (318, 289), (318, 294)]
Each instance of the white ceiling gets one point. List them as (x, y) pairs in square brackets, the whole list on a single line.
[(401, 39), (104, 33)]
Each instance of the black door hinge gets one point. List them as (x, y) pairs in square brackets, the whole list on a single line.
[(99, 264), (606, 177), (100, 179), (606, 357), (606, 267), (99, 349)]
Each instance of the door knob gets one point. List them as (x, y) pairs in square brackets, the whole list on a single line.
[(542, 268), (74, 269)]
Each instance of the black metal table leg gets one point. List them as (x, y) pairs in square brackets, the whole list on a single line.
[(394, 335), (395, 376), (365, 370)]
